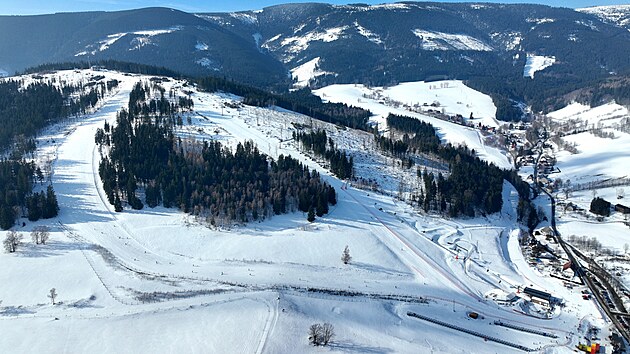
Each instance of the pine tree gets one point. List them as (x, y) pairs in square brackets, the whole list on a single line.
[(51, 208), (34, 207), (7, 218), (332, 195), (311, 215), (117, 204)]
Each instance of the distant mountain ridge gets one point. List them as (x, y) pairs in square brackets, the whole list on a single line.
[(615, 14), (155, 36), (487, 44)]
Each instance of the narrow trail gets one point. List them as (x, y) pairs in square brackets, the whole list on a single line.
[(270, 324)]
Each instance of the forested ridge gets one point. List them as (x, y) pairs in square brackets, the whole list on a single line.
[(122, 66), (24, 111), (341, 165), (142, 154), (472, 185)]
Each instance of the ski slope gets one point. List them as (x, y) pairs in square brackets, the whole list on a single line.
[(159, 281), (537, 63)]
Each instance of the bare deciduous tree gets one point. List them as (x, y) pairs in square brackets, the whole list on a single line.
[(321, 334), (328, 332), (40, 234), (345, 256), (52, 295), (12, 241), (314, 333)]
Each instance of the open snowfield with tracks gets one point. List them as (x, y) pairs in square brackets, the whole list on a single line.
[(159, 281)]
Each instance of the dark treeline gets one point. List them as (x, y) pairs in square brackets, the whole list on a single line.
[(472, 186), (422, 138), (321, 145), (301, 101), (203, 179), (24, 111), (618, 90), (16, 183), (17, 197), (122, 66)]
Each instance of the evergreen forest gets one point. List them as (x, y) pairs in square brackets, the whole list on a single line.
[(461, 191), (143, 156)]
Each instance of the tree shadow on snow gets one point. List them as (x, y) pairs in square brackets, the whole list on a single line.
[(378, 269), (349, 347), (15, 311), (50, 249)]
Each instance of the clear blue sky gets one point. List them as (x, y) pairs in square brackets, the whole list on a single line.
[(30, 7)]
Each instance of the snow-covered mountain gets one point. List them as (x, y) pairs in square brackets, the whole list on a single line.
[(616, 14), (381, 44), (371, 44)]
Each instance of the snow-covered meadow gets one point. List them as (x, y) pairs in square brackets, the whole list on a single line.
[(598, 169)]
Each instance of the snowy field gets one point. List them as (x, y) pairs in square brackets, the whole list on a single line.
[(157, 280), (450, 97), (598, 160)]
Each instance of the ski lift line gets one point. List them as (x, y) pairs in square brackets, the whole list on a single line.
[(471, 332), (525, 329)]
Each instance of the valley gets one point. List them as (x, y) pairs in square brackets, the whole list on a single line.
[(268, 281), (403, 177)]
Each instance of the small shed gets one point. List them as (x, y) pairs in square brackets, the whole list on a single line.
[(622, 209)]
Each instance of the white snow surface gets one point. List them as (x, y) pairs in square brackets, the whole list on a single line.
[(257, 38), (433, 40), (111, 39), (201, 46), (598, 157), (539, 21), (453, 96), (306, 72), (144, 38), (594, 115), (245, 17), (537, 63), (618, 14), (159, 281), (208, 63), (297, 44), (372, 37)]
